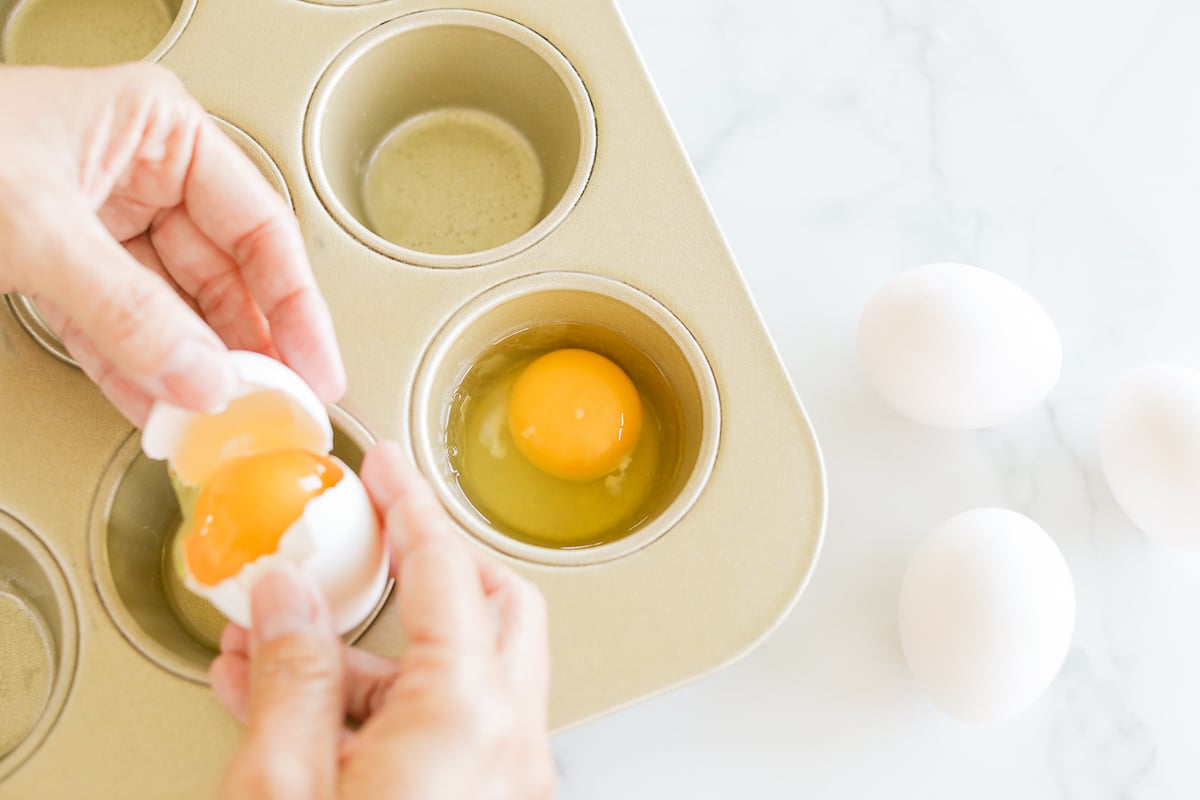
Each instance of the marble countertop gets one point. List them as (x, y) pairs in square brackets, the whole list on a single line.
[(1056, 142)]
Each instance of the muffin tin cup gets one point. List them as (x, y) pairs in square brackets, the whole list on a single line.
[(555, 303), (40, 642), (433, 61), (135, 518), (114, 14)]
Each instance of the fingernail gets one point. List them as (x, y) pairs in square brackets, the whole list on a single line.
[(282, 604), (199, 376)]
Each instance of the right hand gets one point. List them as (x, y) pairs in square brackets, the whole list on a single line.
[(461, 715)]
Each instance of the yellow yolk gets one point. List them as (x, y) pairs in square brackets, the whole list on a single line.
[(575, 415), (254, 423), (246, 507)]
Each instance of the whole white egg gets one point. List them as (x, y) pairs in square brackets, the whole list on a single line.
[(955, 346), (1150, 451), (987, 610)]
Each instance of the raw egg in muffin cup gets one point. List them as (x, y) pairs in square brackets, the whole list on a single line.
[(257, 485), (558, 447)]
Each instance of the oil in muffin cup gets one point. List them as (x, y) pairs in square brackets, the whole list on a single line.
[(450, 138), (95, 33), (39, 643)]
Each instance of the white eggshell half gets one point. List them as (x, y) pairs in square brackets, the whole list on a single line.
[(955, 346), (987, 610), (1150, 451), (167, 423), (336, 542)]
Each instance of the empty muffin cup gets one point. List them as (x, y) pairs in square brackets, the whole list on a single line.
[(89, 34), (25, 308), (134, 526), (38, 642), (450, 138), (468, 368)]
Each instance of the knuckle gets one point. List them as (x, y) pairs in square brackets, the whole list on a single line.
[(151, 78), (123, 310), (298, 661), (532, 602), (273, 776), (490, 727)]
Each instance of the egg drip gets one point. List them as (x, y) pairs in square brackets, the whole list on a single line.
[(253, 481)]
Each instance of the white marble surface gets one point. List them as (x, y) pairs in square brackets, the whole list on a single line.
[(1056, 142)]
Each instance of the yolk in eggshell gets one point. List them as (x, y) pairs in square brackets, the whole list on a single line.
[(575, 414), (258, 422), (247, 505)]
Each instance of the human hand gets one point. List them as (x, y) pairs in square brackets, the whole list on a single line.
[(132, 221), (461, 715)]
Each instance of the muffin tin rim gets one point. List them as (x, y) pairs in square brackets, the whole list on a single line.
[(66, 659), (422, 412), (345, 57)]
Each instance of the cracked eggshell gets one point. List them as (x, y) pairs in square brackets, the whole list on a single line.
[(1150, 451), (987, 611), (336, 542), (167, 423), (955, 346)]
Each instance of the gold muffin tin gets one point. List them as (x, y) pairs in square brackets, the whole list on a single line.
[(623, 242)]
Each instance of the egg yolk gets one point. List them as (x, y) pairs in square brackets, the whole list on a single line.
[(246, 507), (575, 415)]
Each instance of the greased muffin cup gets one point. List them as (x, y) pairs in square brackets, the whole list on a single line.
[(40, 642), (359, 113)]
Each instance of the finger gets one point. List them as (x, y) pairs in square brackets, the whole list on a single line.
[(368, 677), (441, 603), (294, 713), (142, 249), (441, 597), (411, 514), (133, 402), (235, 207), (235, 640), (207, 274), (523, 642), (137, 325), (229, 675)]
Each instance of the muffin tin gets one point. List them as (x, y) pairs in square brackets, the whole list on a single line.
[(622, 242)]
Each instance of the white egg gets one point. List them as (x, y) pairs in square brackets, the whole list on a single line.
[(336, 542), (1150, 451), (955, 346), (987, 610)]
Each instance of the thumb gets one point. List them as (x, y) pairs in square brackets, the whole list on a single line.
[(296, 709), (134, 320)]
